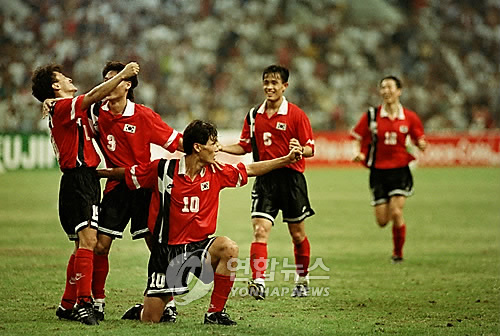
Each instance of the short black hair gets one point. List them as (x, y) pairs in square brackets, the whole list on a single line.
[(399, 85), (42, 79), (284, 73), (198, 131), (119, 66)]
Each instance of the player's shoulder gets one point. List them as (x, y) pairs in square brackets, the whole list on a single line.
[(142, 111), (410, 113), (294, 108), (225, 168), (140, 108), (69, 101)]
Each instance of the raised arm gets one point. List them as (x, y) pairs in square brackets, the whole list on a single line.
[(263, 167), (104, 89)]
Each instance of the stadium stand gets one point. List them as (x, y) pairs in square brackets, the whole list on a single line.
[(199, 59)]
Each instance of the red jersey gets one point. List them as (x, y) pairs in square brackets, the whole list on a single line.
[(70, 134), (273, 133), (191, 205), (125, 138), (391, 150)]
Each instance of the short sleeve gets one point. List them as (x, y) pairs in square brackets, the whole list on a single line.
[(233, 176), (142, 176)]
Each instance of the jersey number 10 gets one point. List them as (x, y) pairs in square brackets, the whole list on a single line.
[(191, 204)]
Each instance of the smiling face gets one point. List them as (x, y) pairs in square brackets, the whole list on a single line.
[(389, 91), (273, 86)]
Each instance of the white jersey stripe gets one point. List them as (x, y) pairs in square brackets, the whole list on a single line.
[(171, 139), (134, 177), (73, 110)]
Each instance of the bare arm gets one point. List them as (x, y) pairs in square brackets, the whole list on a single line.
[(263, 167), (358, 156), (104, 89), (111, 173), (235, 149)]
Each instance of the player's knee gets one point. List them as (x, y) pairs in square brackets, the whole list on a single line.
[(151, 317), (382, 222), (88, 242), (396, 214), (297, 237), (102, 248), (229, 249), (260, 233)]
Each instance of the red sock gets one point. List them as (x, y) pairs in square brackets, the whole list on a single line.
[(83, 273), (99, 275), (222, 288), (302, 253), (69, 297), (258, 260), (398, 239)]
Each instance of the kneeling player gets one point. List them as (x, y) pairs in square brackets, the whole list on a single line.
[(183, 216)]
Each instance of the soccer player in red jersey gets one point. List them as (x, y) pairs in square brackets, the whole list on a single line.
[(183, 212), (80, 190), (125, 130), (269, 130), (380, 142)]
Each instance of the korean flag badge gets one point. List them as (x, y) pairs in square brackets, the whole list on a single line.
[(281, 126), (129, 128), (205, 186)]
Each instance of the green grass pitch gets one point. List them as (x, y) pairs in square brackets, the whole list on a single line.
[(449, 283)]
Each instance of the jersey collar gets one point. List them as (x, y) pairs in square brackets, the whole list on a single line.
[(385, 114), (129, 108), (282, 110), (182, 167)]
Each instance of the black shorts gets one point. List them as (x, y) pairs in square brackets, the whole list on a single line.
[(121, 205), (385, 183), (281, 189), (169, 267), (79, 195)]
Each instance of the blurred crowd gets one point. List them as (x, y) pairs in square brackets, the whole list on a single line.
[(204, 59)]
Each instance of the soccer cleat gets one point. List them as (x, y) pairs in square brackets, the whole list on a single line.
[(99, 309), (257, 290), (396, 259), (133, 313), (169, 314), (221, 318), (301, 287), (67, 314), (85, 311)]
